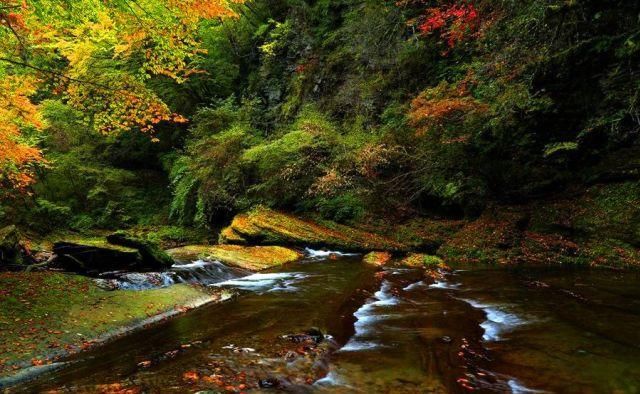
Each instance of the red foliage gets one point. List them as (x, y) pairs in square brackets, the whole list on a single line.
[(455, 22)]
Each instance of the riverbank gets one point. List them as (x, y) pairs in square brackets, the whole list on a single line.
[(46, 316)]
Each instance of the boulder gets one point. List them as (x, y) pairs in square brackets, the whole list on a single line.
[(263, 226), (93, 259)]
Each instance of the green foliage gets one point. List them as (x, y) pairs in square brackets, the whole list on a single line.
[(50, 215), (345, 108)]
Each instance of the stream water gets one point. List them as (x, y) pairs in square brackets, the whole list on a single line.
[(338, 325)]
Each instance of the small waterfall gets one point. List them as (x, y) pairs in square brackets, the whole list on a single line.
[(197, 272), (206, 272)]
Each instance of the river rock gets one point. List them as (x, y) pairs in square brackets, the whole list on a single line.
[(264, 226), (120, 253)]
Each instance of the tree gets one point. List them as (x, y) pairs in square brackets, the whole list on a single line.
[(97, 56)]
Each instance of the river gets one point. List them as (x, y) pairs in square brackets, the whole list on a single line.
[(336, 325)]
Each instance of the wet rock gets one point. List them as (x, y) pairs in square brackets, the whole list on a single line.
[(263, 226), (119, 253), (93, 259)]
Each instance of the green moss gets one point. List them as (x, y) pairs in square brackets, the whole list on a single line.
[(98, 241), (493, 237), (45, 312), (419, 260), (612, 253)]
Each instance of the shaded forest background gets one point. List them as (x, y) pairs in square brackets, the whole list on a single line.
[(348, 109)]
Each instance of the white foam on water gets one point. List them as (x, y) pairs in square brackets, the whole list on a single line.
[(332, 379), (281, 281), (143, 281), (414, 286), (499, 320), (195, 264), (439, 284), (321, 254), (366, 316), (517, 388)]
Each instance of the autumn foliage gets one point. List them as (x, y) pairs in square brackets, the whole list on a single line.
[(96, 57), (442, 106), (453, 22), (16, 112)]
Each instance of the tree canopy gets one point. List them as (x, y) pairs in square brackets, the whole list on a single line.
[(98, 57)]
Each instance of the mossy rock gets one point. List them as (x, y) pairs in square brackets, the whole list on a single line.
[(253, 258), (425, 234), (263, 226), (419, 260), (377, 258)]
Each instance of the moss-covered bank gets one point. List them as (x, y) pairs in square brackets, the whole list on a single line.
[(46, 315)]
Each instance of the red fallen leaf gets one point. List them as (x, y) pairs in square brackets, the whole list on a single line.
[(144, 364), (36, 362), (230, 388), (190, 376)]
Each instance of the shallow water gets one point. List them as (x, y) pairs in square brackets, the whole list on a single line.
[(486, 329)]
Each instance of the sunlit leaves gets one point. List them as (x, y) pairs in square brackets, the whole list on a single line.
[(17, 156), (97, 57)]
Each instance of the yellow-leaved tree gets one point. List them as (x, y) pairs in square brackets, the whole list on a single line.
[(97, 56)]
